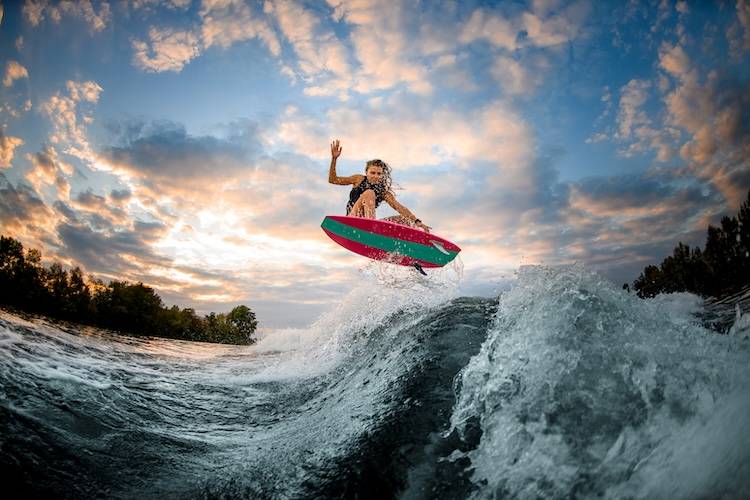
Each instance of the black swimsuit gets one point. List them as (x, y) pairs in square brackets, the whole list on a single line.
[(363, 186)]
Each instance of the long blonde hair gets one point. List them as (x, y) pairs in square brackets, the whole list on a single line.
[(387, 180)]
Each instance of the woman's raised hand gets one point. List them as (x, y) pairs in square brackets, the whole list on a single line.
[(335, 149)]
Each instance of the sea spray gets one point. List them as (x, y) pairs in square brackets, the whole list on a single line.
[(581, 389), (384, 291)]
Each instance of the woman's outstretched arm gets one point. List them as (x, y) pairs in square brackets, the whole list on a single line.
[(332, 177)]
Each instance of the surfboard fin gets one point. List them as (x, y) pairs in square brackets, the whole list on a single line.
[(418, 267), (440, 247)]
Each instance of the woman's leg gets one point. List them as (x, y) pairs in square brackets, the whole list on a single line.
[(365, 205)]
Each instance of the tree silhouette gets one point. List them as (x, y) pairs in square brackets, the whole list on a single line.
[(722, 267), (128, 307)]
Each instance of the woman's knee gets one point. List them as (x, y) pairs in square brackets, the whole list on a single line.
[(368, 197)]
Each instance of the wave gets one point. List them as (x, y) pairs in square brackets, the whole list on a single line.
[(563, 386), (584, 390)]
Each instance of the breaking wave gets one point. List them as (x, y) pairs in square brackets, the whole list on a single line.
[(564, 386)]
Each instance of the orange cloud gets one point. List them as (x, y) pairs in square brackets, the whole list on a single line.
[(8, 145), (14, 71), (166, 50)]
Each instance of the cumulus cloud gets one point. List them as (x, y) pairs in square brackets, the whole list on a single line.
[(632, 98), (165, 151), (48, 169), (222, 23), (381, 46), (68, 119), (23, 214), (496, 29), (171, 4), (515, 78), (495, 133), (321, 57), (14, 71), (35, 11), (118, 252), (713, 115), (8, 145), (674, 60), (225, 22), (166, 50), (542, 26)]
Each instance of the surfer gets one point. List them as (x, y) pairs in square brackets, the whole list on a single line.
[(370, 190)]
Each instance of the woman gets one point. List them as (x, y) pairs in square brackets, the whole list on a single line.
[(370, 190)]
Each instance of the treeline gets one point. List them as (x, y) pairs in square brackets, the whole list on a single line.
[(723, 266), (127, 307)]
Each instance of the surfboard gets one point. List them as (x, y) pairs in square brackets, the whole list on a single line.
[(391, 242)]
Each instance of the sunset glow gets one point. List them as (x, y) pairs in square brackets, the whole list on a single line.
[(186, 144)]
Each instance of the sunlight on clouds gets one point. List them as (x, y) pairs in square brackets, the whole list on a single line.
[(14, 71), (166, 50), (35, 12), (381, 46), (216, 241), (8, 145), (495, 133), (65, 115)]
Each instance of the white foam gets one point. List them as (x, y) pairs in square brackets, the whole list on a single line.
[(581, 382)]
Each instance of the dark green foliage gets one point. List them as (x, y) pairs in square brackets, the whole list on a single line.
[(133, 308), (723, 267)]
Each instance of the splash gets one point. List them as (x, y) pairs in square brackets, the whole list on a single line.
[(581, 389), (384, 290)]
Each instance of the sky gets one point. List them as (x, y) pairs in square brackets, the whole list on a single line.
[(186, 144)]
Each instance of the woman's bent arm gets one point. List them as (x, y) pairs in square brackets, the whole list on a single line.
[(332, 177)]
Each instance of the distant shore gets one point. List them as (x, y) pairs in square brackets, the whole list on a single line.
[(132, 308)]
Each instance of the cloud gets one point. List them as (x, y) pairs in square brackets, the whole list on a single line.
[(48, 169), (225, 22), (17, 204), (743, 15), (165, 151), (497, 30), (548, 28), (516, 79), (35, 12), (676, 62), (713, 114), (120, 195), (382, 47), (66, 117), (618, 224), (171, 4), (494, 133), (321, 57), (222, 23), (632, 97), (122, 253), (23, 214), (542, 27), (8, 145), (166, 50), (14, 71)]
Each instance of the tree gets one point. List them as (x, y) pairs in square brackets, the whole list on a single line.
[(134, 308), (244, 322), (79, 297), (723, 267), (11, 267), (56, 283)]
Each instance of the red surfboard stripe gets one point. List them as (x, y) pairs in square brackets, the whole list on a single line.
[(393, 230), (376, 253)]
